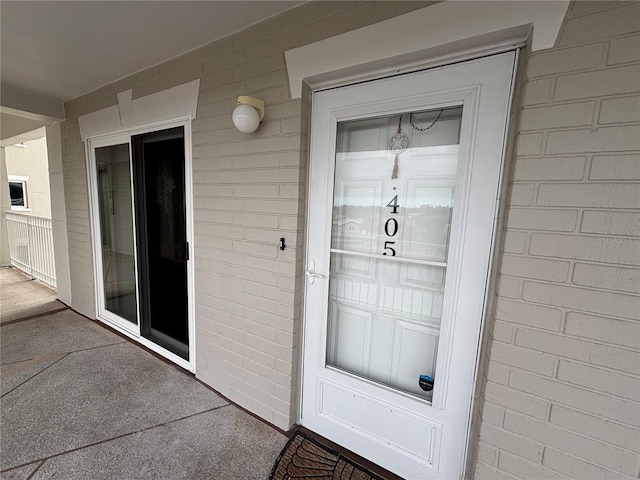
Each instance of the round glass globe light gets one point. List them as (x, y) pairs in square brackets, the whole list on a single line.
[(246, 118)]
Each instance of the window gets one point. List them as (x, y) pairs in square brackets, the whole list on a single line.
[(18, 192)]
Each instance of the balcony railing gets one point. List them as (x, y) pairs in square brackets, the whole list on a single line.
[(31, 246)]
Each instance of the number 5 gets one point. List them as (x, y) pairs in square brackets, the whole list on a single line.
[(387, 247)]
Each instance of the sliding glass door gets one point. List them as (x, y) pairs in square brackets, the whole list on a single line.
[(139, 201)]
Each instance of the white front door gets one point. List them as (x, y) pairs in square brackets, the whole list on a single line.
[(404, 181)]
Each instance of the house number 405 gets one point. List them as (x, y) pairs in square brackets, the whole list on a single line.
[(391, 227)]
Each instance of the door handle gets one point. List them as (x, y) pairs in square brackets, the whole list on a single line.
[(311, 276)]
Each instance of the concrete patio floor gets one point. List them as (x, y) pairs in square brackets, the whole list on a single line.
[(21, 296), (79, 402)]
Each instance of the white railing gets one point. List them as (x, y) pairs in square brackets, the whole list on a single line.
[(31, 246)]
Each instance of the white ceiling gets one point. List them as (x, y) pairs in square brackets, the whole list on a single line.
[(59, 50)]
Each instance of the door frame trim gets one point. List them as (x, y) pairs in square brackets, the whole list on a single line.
[(118, 137), (494, 241)]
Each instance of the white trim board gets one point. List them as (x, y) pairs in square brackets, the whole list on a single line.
[(446, 29), (172, 103)]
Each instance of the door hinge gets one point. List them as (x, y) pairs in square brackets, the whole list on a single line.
[(187, 252)]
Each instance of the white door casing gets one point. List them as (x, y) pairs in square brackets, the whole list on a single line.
[(412, 435)]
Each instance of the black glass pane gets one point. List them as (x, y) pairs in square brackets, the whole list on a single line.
[(16, 192), (160, 163)]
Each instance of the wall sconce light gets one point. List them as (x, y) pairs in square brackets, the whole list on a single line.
[(248, 114)]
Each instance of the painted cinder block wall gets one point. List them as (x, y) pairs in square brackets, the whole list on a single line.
[(562, 392), (559, 396)]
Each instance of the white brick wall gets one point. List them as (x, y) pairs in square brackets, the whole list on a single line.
[(562, 398)]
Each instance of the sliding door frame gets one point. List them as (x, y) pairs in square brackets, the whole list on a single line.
[(125, 327), (114, 320)]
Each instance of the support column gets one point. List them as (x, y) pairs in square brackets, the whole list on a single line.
[(58, 214)]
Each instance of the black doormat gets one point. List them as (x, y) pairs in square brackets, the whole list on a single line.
[(305, 457)]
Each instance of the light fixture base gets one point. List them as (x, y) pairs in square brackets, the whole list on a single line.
[(254, 102)]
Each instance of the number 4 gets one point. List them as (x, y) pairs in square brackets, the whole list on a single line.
[(394, 204)]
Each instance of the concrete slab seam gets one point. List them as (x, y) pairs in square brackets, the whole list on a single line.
[(31, 317), (36, 470), (43, 460), (35, 375), (52, 354), (24, 364)]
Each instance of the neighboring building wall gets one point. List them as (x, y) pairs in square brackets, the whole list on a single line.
[(31, 161), (563, 391), (248, 192)]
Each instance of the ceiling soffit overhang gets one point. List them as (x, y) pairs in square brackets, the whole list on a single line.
[(444, 32), (28, 105), (23, 112)]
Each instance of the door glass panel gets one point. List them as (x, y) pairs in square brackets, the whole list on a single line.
[(116, 230), (160, 199), (393, 200)]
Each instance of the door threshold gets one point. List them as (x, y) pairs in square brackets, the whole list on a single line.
[(148, 345), (168, 343)]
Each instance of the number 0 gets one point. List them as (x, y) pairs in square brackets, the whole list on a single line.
[(393, 222)]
